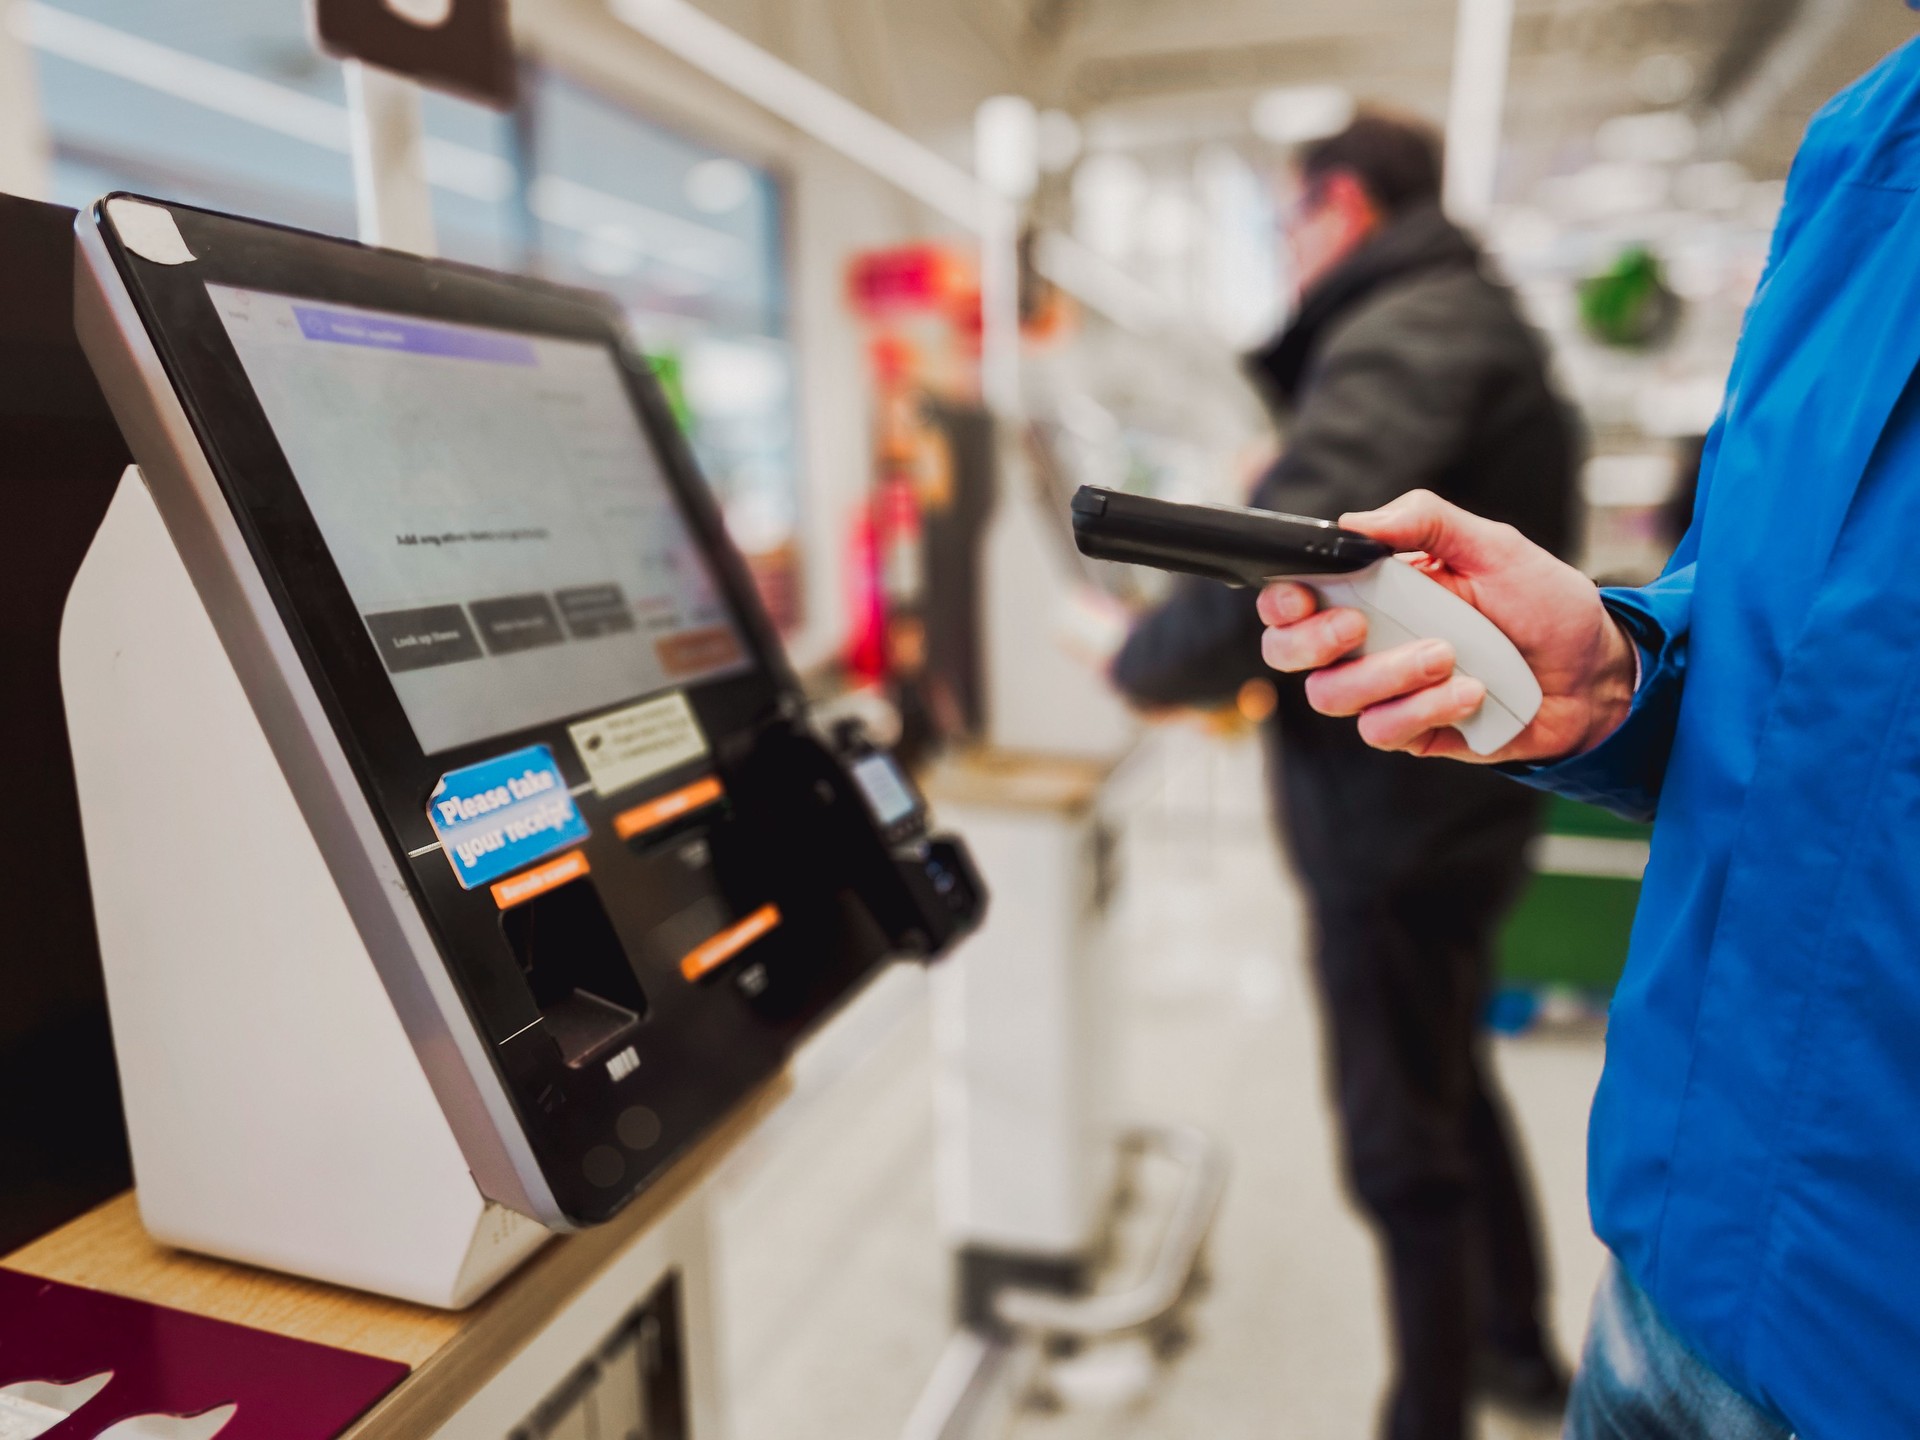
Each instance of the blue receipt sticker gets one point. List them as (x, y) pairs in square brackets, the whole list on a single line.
[(494, 817)]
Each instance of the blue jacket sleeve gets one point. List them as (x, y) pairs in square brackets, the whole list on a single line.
[(1624, 772)]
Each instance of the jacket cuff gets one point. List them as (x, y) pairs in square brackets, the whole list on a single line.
[(1623, 773)]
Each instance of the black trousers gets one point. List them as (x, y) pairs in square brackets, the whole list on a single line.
[(1403, 975)]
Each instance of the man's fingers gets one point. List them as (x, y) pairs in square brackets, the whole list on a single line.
[(1399, 724), (1286, 603), (1420, 520), (1316, 641), (1375, 679)]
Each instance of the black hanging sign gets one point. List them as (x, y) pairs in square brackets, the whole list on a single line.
[(464, 46)]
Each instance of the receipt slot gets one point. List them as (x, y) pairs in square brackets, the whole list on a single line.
[(460, 846)]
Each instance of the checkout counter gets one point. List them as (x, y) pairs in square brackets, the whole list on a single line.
[(464, 862)]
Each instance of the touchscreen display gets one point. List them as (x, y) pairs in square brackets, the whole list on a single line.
[(886, 789), (495, 508)]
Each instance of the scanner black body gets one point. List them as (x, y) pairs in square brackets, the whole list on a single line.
[(1228, 543)]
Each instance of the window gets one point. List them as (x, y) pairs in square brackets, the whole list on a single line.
[(227, 103), (692, 241)]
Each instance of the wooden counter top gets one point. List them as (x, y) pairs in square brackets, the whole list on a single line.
[(452, 1354), (1007, 779)]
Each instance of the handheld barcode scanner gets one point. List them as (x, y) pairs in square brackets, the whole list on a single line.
[(1251, 548)]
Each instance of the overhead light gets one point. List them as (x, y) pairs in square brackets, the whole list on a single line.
[(1295, 114)]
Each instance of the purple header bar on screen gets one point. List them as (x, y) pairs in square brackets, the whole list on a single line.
[(346, 327)]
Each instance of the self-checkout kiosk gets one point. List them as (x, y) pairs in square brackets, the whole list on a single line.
[(461, 848)]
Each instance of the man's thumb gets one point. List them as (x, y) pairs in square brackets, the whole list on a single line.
[(1421, 520)]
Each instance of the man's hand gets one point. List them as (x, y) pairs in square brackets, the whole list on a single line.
[(1408, 698)]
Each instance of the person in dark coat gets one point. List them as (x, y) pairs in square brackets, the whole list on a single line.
[(1407, 366)]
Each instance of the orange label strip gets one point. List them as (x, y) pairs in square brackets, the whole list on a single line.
[(689, 652), (705, 959), (518, 889), (667, 808)]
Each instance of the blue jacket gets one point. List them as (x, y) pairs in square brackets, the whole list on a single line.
[(1755, 1149)]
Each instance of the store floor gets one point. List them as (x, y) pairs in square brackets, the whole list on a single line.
[(833, 1286)]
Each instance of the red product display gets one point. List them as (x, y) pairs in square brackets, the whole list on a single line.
[(168, 1363)]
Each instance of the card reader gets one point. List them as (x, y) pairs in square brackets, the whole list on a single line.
[(1251, 548)]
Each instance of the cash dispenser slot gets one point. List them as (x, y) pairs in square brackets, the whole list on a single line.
[(589, 996)]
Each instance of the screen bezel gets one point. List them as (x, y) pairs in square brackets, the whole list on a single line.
[(897, 777), (285, 539)]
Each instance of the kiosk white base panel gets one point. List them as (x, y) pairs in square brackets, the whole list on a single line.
[(277, 1112), (1023, 1026)]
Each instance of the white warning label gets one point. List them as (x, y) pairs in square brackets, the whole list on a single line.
[(625, 747)]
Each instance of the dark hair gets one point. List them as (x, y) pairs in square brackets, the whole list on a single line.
[(1396, 158)]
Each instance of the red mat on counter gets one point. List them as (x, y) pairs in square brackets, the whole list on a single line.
[(169, 1363)]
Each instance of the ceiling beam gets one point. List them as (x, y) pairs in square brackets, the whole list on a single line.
[(1162, 72)]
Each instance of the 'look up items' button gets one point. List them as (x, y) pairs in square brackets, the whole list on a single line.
[(420, 639)]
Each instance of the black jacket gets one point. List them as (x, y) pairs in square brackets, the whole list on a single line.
[(1407, 367)]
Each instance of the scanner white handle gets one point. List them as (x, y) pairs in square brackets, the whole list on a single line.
[(1402, 604)]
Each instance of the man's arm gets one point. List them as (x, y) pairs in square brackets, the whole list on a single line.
[(1197, 649)]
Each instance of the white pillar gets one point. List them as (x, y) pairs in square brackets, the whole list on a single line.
[(1482, 47), (1006, 160), (23, 136), (389, 159), (1000, 311)]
